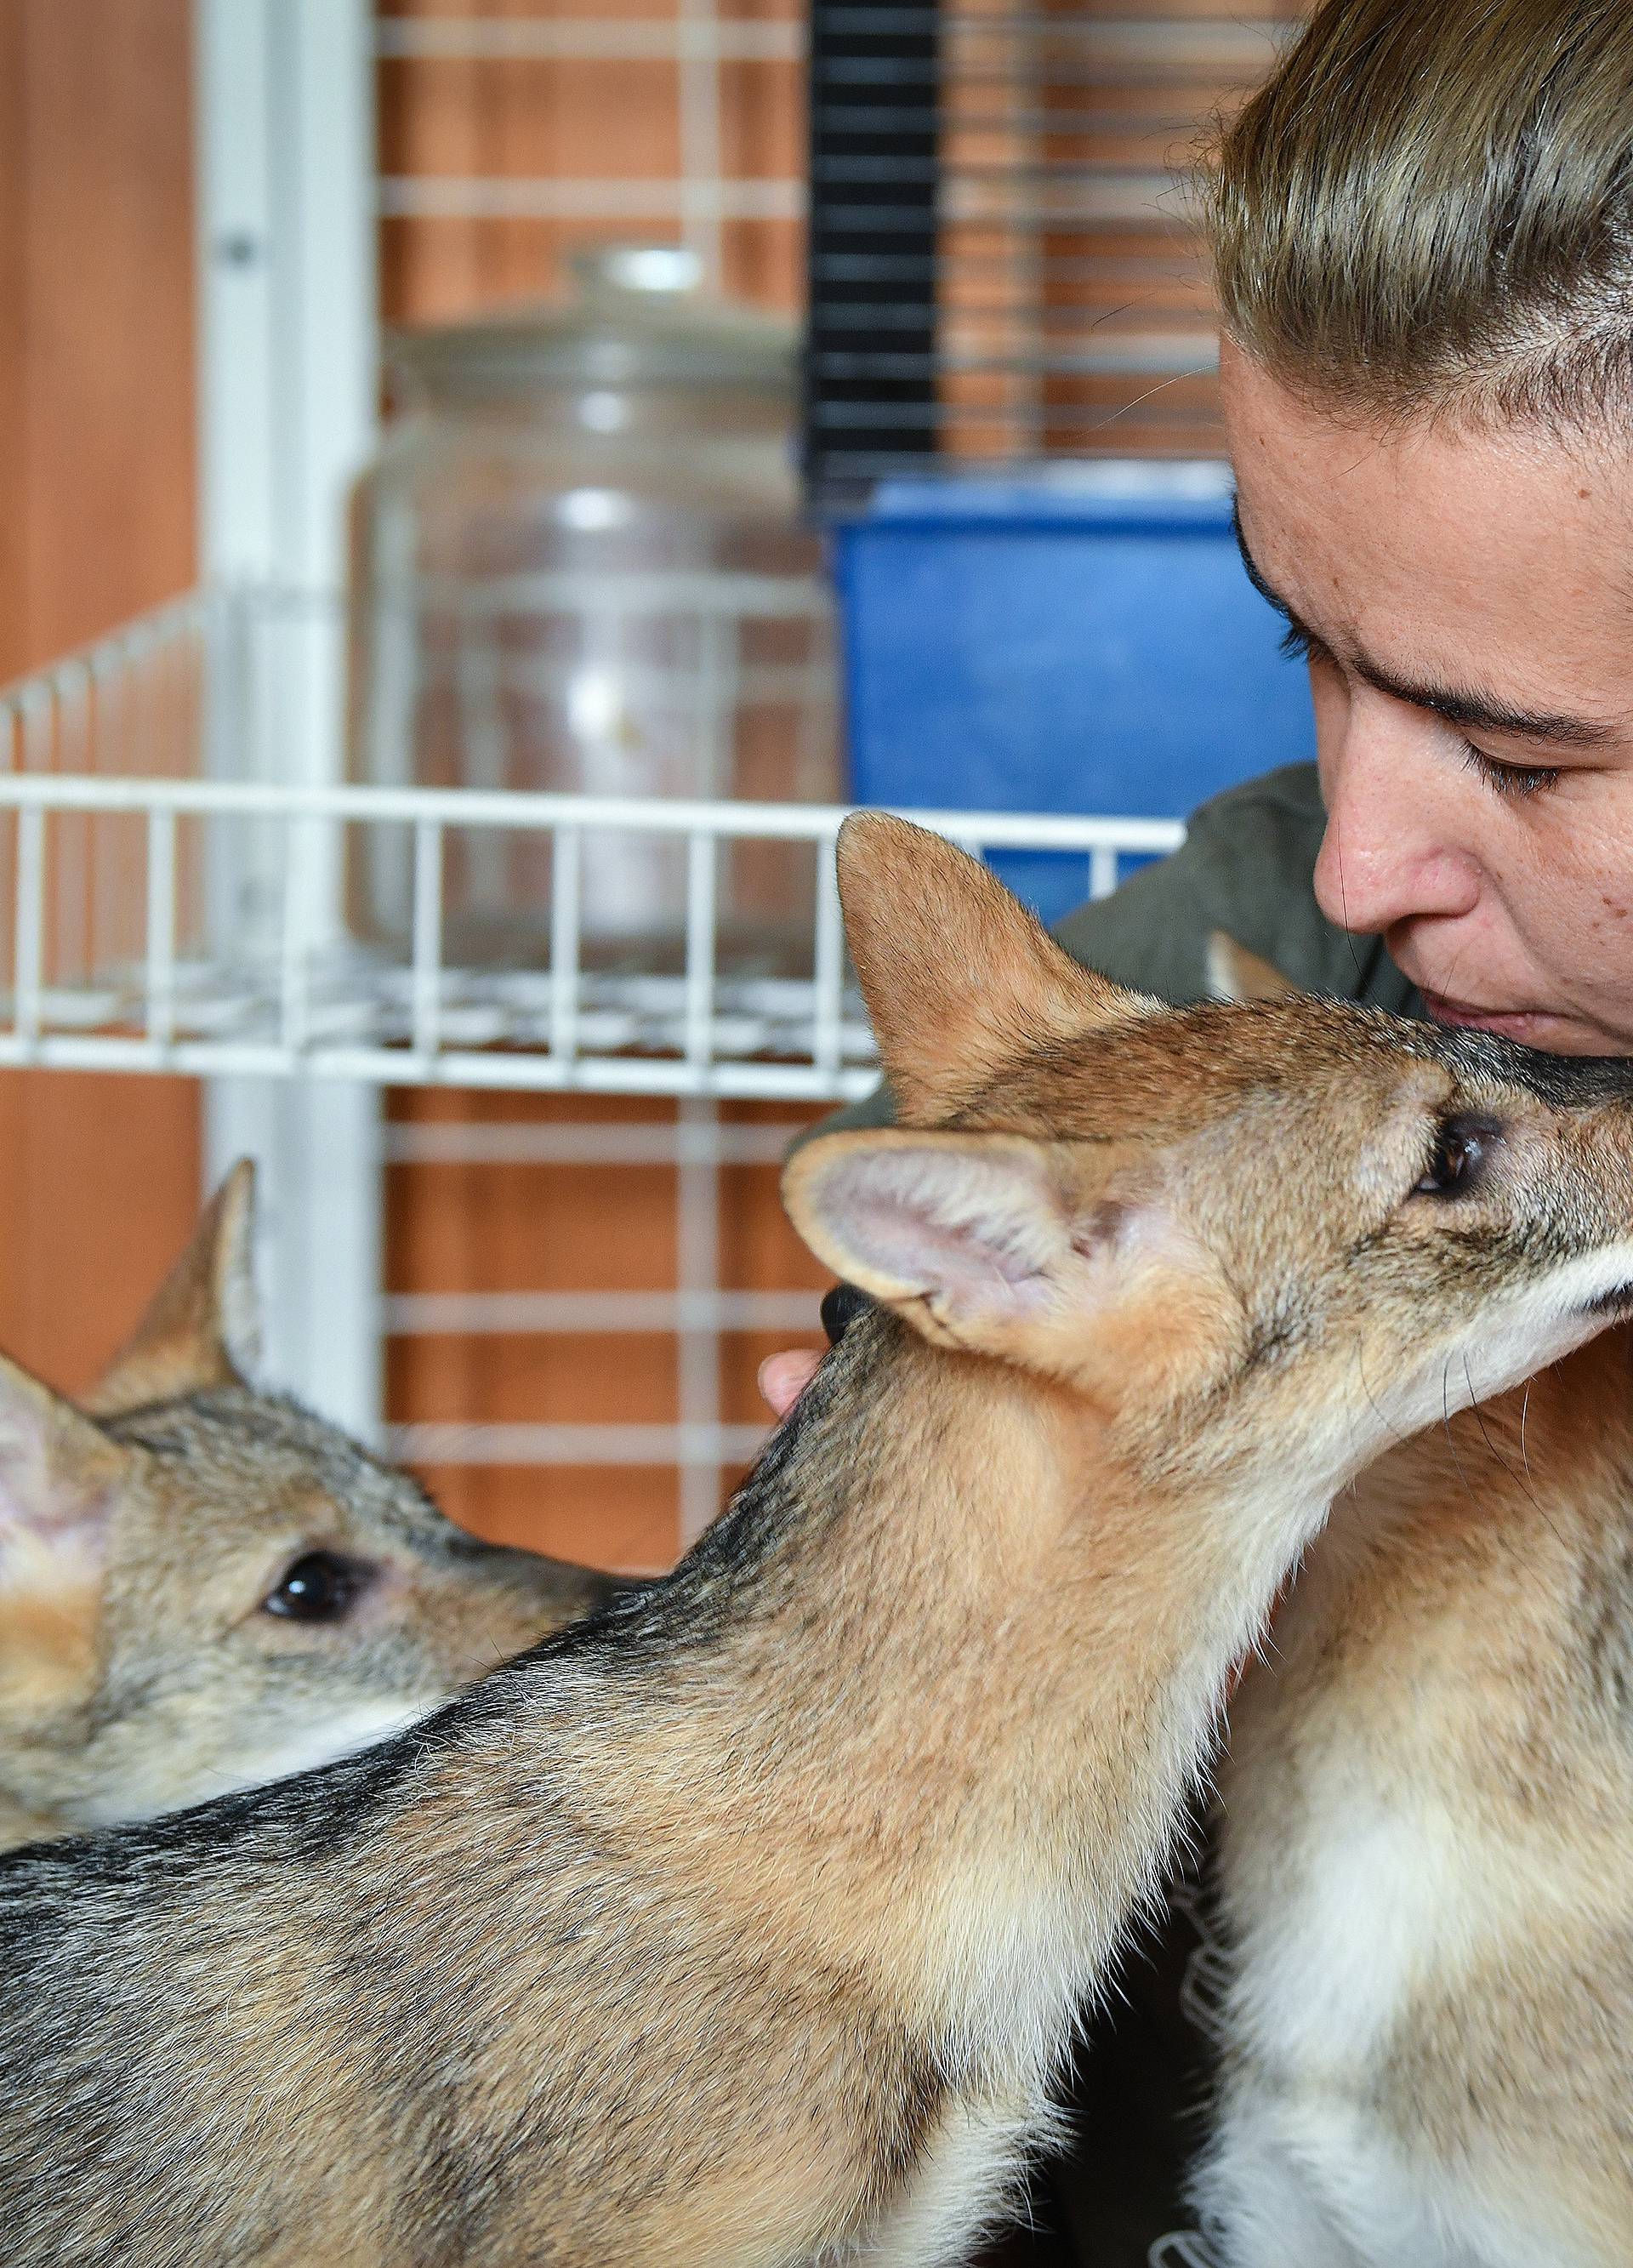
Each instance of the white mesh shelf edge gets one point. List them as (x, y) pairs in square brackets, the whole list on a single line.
[(184, 892), (223, 947)]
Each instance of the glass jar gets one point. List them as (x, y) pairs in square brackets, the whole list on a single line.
[(578, 565)]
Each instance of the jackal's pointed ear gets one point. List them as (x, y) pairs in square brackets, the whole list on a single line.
[(1236, 973), (203, 1328), (60, 1481), (58, 1468), (959, 978), (987, 1240)]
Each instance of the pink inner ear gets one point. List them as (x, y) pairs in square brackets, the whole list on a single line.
[(978, 1230), (46, 1508), (975, 1264), (77, 1537)]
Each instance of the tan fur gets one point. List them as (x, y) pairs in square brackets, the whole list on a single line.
[(48, 1633), (140, 1670), (1452, 1684), (202, 1328), (1460, 1697), (1427, 1858), (1002, 990), (748, 1922), (49, 1616)]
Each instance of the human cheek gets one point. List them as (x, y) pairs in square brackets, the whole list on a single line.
[(1555, 934), (1579, 893)]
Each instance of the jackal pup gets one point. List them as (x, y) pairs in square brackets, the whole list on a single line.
[(203, 1585), (1426, 1857), (748, 1922)]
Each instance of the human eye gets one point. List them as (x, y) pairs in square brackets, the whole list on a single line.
[(1508, 779), (1300, 644)]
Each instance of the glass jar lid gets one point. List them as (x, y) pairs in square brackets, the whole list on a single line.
[(639, 317)]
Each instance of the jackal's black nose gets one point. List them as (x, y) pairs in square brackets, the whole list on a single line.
[(841, 1306)]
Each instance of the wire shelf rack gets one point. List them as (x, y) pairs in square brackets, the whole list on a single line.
[(182, 894)]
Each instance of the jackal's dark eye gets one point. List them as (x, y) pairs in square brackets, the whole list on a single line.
[(1458, 1160), (320, 1586)]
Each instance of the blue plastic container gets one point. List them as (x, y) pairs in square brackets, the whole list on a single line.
[(1084, 643)]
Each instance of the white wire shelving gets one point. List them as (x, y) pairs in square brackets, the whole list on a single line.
[(166, 917), (179, 893)]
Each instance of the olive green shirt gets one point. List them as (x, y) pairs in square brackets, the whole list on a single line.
[(1246, 867)]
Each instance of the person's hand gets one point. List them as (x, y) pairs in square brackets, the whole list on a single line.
[(783, 1378)]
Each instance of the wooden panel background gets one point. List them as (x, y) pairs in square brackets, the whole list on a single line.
[(570, 1228), (97, 420), (578, 118)]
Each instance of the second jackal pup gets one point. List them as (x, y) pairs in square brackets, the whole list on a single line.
[(1426, 1855), (746, 1922), (203, 1587)]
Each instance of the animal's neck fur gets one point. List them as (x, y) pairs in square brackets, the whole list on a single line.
[(1427, 1835), (940, 1675), (50, 1668), (18, 1825)]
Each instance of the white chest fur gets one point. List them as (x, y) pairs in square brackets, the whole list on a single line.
[(1329, 1965), (1352, 1896), (1320, 2185)]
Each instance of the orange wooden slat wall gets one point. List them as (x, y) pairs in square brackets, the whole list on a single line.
[(97, 456), (559, 1228), (577, 117)]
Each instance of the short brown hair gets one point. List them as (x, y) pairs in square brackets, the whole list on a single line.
[(1428, 208)]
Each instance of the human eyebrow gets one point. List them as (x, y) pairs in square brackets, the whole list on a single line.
[(1475, 712), (1470, 711)]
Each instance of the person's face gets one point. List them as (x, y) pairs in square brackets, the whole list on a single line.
[(1465, 599)]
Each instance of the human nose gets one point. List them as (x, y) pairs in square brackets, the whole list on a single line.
[(1392, 851)]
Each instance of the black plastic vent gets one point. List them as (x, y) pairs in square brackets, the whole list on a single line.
[(1001, 269)]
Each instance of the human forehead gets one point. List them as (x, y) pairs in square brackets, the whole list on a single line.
[(1415, 540)]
